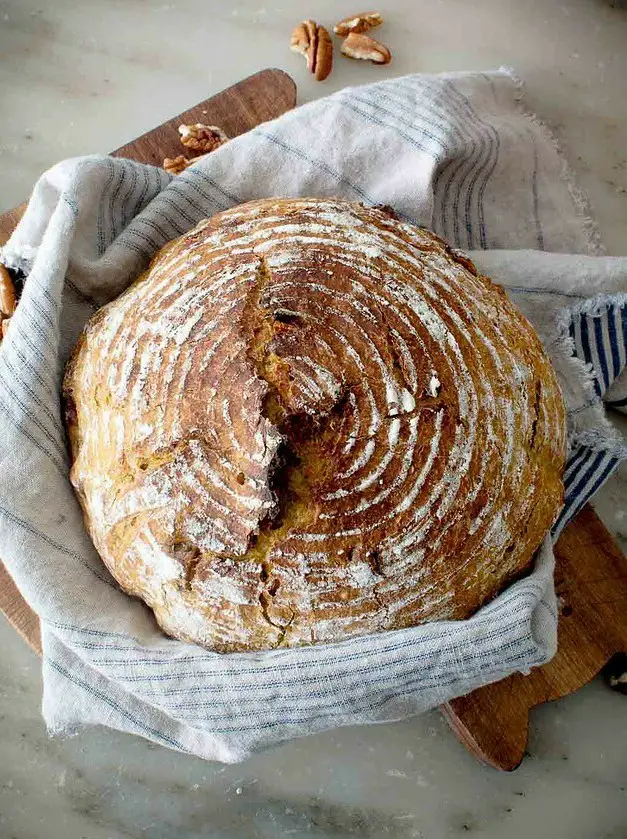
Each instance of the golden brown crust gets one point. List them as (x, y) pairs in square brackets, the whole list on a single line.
[(309, 420)]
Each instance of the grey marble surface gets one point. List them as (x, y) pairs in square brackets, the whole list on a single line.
[(84, 77), (410, 780)]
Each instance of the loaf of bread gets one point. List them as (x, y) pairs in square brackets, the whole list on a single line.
[(307, 421)]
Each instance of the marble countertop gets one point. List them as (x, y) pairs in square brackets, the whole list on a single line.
[(78, 78)]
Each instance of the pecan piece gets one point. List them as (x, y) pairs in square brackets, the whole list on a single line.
[(314, 42), (366, 48), (361, 22), (203, 138), (8, 298), (4, 326), (176, 165)]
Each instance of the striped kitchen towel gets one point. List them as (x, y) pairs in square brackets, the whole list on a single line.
[(456, 153)]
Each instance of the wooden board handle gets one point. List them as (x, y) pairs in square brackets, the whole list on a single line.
[(591, 585)]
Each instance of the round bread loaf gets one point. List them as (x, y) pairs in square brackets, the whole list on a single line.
[(308, 420)]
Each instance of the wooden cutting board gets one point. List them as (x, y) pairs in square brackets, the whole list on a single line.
[(591, 573), (591, 586)]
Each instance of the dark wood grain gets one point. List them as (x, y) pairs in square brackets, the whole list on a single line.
[(259, 98)]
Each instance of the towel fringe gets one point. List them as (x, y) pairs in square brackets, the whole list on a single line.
[(579, 197)]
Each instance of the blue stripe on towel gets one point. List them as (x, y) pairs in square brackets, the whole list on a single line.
[(600, 340), (601, 348), (592, 470), (613, 336)]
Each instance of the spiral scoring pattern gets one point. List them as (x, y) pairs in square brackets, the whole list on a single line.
[(307, 421)]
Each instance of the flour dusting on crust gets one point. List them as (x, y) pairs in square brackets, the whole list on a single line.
[(307, 421)]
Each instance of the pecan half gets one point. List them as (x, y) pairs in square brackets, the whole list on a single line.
[(361, 22), (366, 48), (8, 298), (203, 138), (314, 42)]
